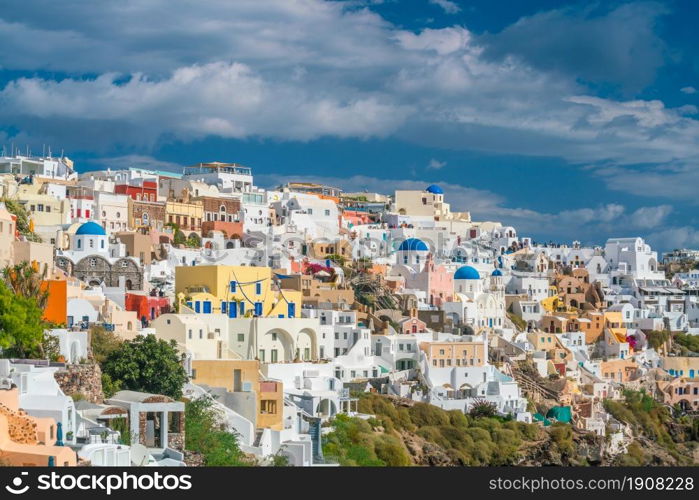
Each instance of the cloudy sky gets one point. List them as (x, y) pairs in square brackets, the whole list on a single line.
[(565, 119)]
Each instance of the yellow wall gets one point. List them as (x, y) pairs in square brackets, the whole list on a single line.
[(219, 372), (270, 394), (463, 351), (217, 280)]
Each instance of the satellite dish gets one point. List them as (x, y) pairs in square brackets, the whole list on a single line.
[(139, 455)]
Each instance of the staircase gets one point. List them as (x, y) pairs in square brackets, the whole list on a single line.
[(532, 387)]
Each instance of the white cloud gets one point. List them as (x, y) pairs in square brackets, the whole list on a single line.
[(301, 70), (435, 164), (688, 90), (592, 225), (447, 5), (133, 161), (675, 237)]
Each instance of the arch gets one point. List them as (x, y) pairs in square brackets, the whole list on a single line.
[(326, 408), (129, 285), (74, 348), (277, 341), (230, 245), (306, 345)]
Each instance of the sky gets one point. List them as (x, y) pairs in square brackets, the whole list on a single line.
[(568, 120)]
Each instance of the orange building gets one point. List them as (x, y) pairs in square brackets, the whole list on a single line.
[(29, 441), (455, 353), (57, 305)]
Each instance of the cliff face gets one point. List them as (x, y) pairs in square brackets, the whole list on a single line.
[(429, 436)]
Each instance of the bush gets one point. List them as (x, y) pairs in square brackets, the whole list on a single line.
[(483, 408), (204, 434)]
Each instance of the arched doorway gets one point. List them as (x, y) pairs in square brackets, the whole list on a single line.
[(326, 408)]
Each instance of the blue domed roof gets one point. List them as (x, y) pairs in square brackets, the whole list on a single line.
[(413, 244), (497, 272), (91, 228), (466, 273), (434, 189)]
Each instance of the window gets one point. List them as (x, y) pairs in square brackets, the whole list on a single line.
[(234, 286), (268, 406), (189, 334), (241, 337), (327, 212), (201, 334), (258, 288)]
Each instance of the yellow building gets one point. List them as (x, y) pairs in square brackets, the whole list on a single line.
[(186, 214), (251, 394), (237, 291), (455, 353), (681, 366)]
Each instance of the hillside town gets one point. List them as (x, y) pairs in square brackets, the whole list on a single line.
[(134, 303)]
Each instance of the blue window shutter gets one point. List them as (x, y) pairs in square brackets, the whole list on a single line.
[(258, 288), (233, 286), (242, 308), (291, 310), (224, 305), (258, 308), (207, 307), (232, 310), (197, 306)]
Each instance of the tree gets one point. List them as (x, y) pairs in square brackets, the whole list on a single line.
[(103, 343), (180, 238), (147, 364), (26, 281), (657, 338), (21, 325), (205, 434)]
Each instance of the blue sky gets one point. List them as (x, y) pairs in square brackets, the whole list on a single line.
[(565, 119)]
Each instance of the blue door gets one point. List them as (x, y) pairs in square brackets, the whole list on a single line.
[(258, 308), (207, 307), (291, 310), (691, 373), (197, 306), (232, 310)]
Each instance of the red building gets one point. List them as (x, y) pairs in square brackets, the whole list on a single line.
[(147, 306), (229, 228), (143, 191)]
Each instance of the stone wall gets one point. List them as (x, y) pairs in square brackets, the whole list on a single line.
[(20, 427), (81, 379)]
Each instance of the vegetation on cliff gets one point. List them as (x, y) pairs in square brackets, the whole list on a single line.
[(662, 436)]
